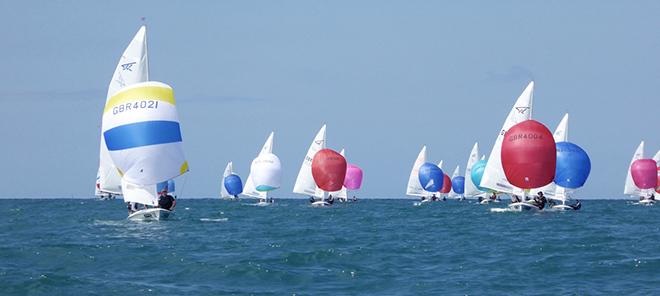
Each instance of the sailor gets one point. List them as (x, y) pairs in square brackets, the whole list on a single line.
[(166, 201), (423, 198), (540, 200), (331, 199), (493, 196), (434, 198), (444, 198), (354, 198), (515, 198), (311, 199), (577, 205)]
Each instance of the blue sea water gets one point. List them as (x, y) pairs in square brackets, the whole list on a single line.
[(372, 247)]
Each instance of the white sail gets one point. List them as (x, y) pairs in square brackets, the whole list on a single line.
[(143, 135), (552, 190), (342, 193), (656, 157), (249, 189), (142, 194), (561, 132), (133, 67), (453, 194), (494, 177), (631, 188), (470, 188), (229, 169), (305, 183), (414, 187)]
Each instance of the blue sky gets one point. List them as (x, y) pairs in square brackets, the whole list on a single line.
[(386, 76)]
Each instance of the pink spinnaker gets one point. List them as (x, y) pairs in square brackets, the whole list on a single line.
[(644, 173), (353, 180)]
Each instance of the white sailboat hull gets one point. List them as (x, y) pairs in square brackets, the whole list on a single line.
[(647, 202), (318, 204), (522, 206), (155, 214)]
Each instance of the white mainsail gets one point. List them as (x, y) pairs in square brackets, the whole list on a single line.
[(133, 67), (657, 163), (553, 190), (229, 169), (142, 133), (471, 189), (343, 193), (494, 177), (630, 187), (414, 187), (305, 183), (453, 194), (249, 189)]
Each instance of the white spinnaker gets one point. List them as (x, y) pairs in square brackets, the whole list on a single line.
[(143, 136), (249, 189), (414, 187), (630, 187), (453, 194), (305, 183), (494, 177), (142, 194), (133, 67), (342, 193), (471, 189), (229, 169)]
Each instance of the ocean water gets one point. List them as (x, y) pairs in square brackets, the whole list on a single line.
[(373, 247)]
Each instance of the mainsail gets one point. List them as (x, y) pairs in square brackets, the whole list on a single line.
[(630, 187), (414, 186), (305, 183), (142, 133), (132, 68), (453, 194), (471, 189), (552, 190), (494, 177), (229, 169)]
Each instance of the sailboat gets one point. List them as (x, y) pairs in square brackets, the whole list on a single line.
[(231, 185), (305, 183), (132, 68), (142, 133), (414, 187), (631, 187), (573, 167), (494, 177), (265, 171)]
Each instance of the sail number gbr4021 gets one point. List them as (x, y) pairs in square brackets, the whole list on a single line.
[(150, 104)]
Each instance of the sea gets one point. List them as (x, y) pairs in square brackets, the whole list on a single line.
[(370, 247)]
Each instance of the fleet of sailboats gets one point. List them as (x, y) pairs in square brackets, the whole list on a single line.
[(141, 153)]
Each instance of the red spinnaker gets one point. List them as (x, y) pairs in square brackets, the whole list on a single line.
[(529, 155), (446, 184), (329, 170), (644, 173)]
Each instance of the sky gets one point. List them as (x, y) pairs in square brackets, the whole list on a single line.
[(386, 77)]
